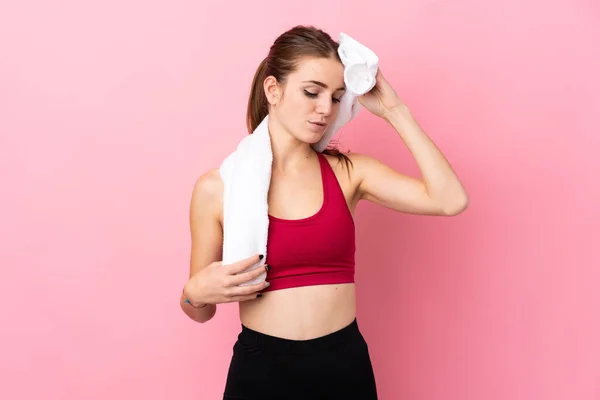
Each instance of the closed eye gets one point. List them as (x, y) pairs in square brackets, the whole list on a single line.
[(314, 95)]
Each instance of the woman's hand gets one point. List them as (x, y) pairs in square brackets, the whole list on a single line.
[(382, 99), (218, 283)]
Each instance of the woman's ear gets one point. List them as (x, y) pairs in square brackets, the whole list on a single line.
[(272, 90)]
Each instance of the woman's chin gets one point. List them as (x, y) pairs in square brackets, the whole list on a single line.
[(312, 137)]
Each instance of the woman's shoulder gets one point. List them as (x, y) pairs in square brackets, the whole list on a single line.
[(354, 157), (207, 193), (210, 182), (350, 163)]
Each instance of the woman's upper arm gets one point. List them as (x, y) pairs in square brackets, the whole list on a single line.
[(380, 184), (205, 221)]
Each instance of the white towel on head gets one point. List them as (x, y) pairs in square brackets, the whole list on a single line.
[(246, 173)]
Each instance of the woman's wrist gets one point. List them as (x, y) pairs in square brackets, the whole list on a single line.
[(194, 304)]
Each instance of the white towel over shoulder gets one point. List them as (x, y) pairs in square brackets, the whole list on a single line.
[(246, 172)]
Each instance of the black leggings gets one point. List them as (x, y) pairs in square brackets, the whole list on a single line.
[(334, 366)]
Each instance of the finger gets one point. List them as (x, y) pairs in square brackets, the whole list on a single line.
[(241, 265), (247, 276), (247, 290)]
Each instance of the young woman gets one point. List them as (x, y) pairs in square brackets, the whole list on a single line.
[(299, 336)]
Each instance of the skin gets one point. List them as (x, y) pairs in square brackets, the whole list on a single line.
[(296, 192)]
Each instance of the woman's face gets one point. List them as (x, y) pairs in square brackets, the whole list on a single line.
[(309, 100)]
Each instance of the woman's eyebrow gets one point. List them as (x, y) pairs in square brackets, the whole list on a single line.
[(324, 85)]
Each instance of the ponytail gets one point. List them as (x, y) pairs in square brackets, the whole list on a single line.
[(258, 106)]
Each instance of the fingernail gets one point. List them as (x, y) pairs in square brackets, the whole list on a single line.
[(267, 266), (259, 295), (267, 284), (260, 256)]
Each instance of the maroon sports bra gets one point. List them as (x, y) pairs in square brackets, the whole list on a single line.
[(316, 250)]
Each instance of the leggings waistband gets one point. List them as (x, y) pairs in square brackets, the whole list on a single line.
[(339, 337)]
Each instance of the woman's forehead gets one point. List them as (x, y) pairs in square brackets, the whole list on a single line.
[(324, 70)]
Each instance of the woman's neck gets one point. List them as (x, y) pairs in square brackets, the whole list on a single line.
[(288, 152)]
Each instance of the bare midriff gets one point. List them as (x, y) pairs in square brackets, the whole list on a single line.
[(301, 313)]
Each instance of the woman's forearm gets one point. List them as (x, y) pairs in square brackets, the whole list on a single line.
[(442, 184)]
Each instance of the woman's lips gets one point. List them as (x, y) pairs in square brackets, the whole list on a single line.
[(317, 126)]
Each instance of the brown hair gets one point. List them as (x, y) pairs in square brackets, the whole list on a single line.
[(283, 58)]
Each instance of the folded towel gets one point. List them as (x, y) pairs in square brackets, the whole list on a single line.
[(246, 173)]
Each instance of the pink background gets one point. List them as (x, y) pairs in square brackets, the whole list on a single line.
[(109, 111)]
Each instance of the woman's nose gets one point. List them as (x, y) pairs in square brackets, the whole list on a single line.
[(325, 107)]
